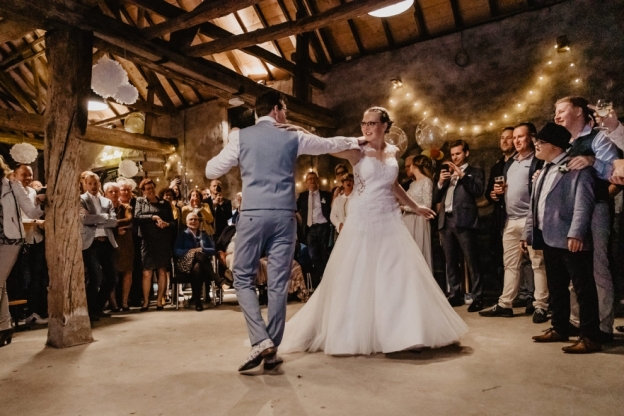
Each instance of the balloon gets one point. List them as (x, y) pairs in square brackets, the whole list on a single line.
[(397, 137), (135, 123), (433, 153), (429, 136)]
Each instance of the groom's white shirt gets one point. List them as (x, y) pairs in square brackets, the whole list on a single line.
[(309, 144)]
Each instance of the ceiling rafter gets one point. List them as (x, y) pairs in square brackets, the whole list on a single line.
[(306, 24), (312, 10), (202, 13), (388, 32), (355, 34), (459, 21), (423, 32), (319, 53), (244, 29)]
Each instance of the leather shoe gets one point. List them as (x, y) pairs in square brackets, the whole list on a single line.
[(265, 349), (456, 300), (540, 316), (273, 363), (529, 306), (498, 310), (475, 306), (583, 346), (199, 307), (550, 335)]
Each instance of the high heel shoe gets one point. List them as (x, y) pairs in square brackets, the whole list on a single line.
[(5, 337), (160, 308), (144, 308)]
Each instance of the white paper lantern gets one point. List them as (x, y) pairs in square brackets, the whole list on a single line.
[(24, 153), (128, 168), (106, 77), (126, 94)]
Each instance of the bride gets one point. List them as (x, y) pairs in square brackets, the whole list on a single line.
[(377, 293)]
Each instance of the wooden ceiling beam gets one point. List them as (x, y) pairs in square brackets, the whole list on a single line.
[(112, 119), (221, 80), (459, 20), (203, 13), (387, 31), (23, 49), (144, 106), (34, 123), (321, 34), (12, 138), (244, 29), (14, 28), (29, 58), (355, 34), (13, 88), (319, 53), (423, 32), (306, 24)]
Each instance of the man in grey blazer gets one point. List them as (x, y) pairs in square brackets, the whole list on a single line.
[(98, 218), (559, 223), (267, 224)]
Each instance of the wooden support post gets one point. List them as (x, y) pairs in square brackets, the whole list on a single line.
[(69, 55), (301, 80)]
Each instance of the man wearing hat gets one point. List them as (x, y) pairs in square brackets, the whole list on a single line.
[(559, 223)]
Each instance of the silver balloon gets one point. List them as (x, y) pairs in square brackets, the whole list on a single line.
[(429, 136), (397, 137)]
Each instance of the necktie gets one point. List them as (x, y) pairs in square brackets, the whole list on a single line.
[(310, 208)]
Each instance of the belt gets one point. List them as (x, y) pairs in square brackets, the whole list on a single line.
[(318, 224), (448, 214), (101, 239)]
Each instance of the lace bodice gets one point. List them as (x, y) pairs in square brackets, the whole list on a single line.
[(422, 192), (372, 191)]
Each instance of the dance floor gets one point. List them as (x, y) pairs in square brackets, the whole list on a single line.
[(184, 363)]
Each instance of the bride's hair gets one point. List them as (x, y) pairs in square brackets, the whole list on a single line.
[(384, 117)]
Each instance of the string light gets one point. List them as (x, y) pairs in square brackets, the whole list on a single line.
[(530, 92), (424, 113), (491, 124), (572, 64), (577, 80), (505, 116), (415, 104), (549, 62), (461, 129)]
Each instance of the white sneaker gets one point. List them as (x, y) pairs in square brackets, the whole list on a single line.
[(35, 319)]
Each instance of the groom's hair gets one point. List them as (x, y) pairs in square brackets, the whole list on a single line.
[(268, 100)]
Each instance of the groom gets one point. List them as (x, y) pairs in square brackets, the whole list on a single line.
[(267, 224)]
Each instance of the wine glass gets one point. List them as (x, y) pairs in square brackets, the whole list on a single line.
[(603, 108)]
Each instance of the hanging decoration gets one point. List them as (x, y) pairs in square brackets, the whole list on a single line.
[(24, 153), (430, 138), (397, 137), (135, 123), (128, 169), (434, 154), (109, 79)]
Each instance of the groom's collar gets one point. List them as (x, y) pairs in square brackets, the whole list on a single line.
[(266, 118)]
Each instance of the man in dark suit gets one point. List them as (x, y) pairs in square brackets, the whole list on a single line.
[(457, 191), (314, 209), (221, 207), (559, 223)]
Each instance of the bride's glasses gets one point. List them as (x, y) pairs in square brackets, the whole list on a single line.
[(369, 123)]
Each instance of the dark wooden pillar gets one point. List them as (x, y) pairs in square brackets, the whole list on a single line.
[(301, 79), (68, 52)]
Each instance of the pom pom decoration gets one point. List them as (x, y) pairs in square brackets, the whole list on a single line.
[(126, 94), (433, 153), (128, 168), (397, 137), (106, 77), (24, 153), (429, 136), (135, 123)]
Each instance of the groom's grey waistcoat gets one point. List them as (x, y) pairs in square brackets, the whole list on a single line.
[(268, 157)]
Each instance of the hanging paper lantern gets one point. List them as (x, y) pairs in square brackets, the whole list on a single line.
[(128, 169), (106, 77), (429, 136), (135, 123), (24, 153), (126, 94), (397, 137)]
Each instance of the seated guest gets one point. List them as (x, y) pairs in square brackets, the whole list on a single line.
[(192, 253), (222, 211), (98, 218), (124, 260), (12, 196), (156, 224), (559, 223), (338, 213), (202, 210)]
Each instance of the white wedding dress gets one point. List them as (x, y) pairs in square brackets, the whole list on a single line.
[(377, 293)]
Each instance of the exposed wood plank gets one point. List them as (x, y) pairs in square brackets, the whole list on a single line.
[(177, 92), (14, 28), (244, 29), (13, 88), (388, 32), (219, 80), (306, 24), (12, 138), (34, 123), (264, 23), (319, 53), (423, 32), (145, 107), (26, 59), (20, 51), (312, 10), (160, 91), (459, 21), (355, 34), (35, 72), (198, 16), (112, 119)]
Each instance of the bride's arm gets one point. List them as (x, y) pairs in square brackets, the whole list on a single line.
[(404, 199), (353, 156)]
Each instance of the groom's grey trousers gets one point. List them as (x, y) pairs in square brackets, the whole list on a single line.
[(271, 233)]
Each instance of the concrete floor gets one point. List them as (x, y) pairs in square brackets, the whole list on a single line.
[(183, 362)]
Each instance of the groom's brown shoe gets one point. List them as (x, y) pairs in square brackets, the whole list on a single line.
[(259, 352), (550, 335)]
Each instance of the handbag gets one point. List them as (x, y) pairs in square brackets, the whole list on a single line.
[(185, 263)]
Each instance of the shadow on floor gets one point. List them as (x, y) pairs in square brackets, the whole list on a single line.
[(431, 355)]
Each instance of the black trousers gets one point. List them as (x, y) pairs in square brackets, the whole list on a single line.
[(465, 239), (562, 266), (317, 239), (36, 271), (99, 262), (201, 272)]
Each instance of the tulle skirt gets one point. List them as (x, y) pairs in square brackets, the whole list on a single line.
[(377, 295)]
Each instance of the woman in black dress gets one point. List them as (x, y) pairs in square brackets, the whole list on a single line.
[(156, 224)]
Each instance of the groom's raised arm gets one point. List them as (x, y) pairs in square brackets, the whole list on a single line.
[(309, 144), (226, 159)]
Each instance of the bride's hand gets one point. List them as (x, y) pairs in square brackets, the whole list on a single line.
[(425, 212), (291, 127)]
